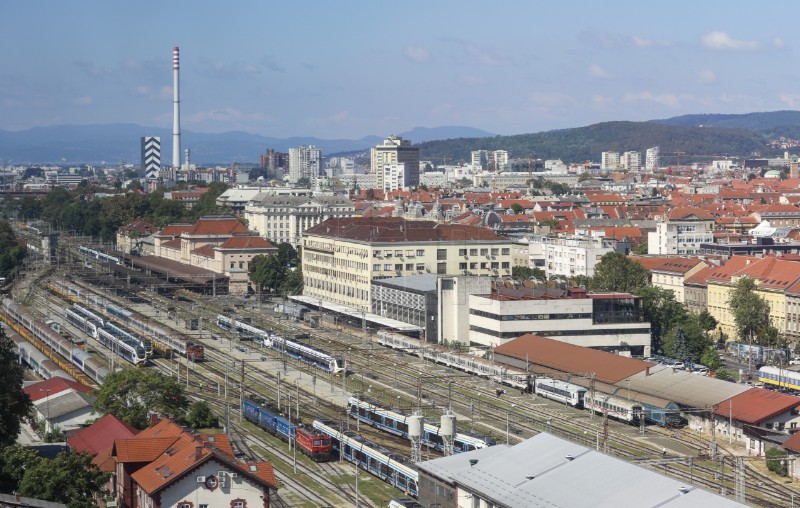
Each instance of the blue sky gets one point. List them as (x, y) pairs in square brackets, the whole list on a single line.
[(346, 69)]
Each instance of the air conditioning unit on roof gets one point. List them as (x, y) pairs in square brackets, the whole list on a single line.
[(201, 479)]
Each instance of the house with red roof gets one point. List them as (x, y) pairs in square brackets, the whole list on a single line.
[(101, 435), (671, 272), (165, 465), (61, 403)]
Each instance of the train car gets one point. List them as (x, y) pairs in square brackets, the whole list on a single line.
[(88, 314), (225, 323), (561, 391), (93, 367), (775, 377), (618, 408), (372, 458), (396, 423), (124, 334), (82, 323), (65, 290), (127, 350), (311, 443)]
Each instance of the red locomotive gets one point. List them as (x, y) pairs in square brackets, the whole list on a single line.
[(312, 443)]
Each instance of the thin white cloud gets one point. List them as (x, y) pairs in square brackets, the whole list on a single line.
[(83, 101), (778, 43), (596, 71), (486, 56), (545, 101), (641, 42), (416, 54), (669, 100), (790, 99), (706, 76), (721, 41), (601, 102)]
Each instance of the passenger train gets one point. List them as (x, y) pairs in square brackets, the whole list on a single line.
[(467, 363), (35, 359), (617, 407), (310, 442), (129, 350), (301, 352), (372, 458), (100, 256), (775, 377), (166, 340), (561, 391), (395, 423), (92, 367)]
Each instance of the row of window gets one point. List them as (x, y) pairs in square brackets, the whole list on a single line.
[(485, 266), (528, 317), (485, 252), (561, 333)]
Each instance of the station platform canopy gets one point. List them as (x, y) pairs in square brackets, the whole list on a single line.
[(373, 320)]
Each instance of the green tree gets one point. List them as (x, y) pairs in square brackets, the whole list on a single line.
[(710, 358), (640, 249), (292, 283), (616, 272), (525, 272), (725, 375), (517, 209), (70, 478), (14, 461), (14, 403), (303, 183), (676, 345), (661, 310), (131, 394), (750, 312), (686, 341), (777, 460), (200, 416), (706, 321), (266, 272)]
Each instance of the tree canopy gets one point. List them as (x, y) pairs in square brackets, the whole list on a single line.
[(70, 478), (751, 314), (14, 403), (618, 273), (200, 416), (131, 394), (662, 310)]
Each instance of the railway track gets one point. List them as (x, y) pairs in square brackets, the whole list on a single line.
[(528, 417)]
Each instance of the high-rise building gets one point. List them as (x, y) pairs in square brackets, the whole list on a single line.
[(651, 159), (609, 161), (395, 150), (498, 159), (305, 162), (151, 157), (632, 161)]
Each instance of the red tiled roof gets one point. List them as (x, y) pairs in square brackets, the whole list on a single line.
[(756, 405), (205, 251), (172, 244), (104, 461), (668, 264), (139, 449), (101, 435), (246, 242), (700, 277), (217, 226), (688, 212), (608, 367), (723, 273), (175, 230), (395, 229), (52, 386), (772, 273)]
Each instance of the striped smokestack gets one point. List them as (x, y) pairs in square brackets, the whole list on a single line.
[(176, 109)]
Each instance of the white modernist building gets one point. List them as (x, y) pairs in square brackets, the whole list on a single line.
[(651, 159), (395, 150), (305, 162), (681, 232), (569, 256)]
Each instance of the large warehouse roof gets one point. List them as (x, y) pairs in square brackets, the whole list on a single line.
[(683, 387), (607, 367), (547, 471)]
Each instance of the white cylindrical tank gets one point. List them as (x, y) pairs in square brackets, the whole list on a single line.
[(415, 425), (448, 425)]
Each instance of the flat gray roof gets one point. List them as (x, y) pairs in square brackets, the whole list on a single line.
[(423, 282), (547, 471), (685, 388)]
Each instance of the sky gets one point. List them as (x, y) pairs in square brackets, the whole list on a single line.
[(347, 69)]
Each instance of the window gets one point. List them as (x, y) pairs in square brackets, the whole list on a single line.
[(420, 266), (398, 266), (377, 253), (462, 252), (495, 264), (409, 266), (473, 252), (387, 267), (462, 266), (185, 504), (376, 268), (398, 253), (506, 264), (506, 251), (494, 252), (239, 503), (484, 252), (441, 268), (441, 254), (420, 252), (203, 505)]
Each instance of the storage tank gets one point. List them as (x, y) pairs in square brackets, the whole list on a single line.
[(448, 428), (415, 426)]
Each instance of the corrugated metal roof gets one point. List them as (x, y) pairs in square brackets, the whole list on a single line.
[(683, 387), (607, 367), (543, 470)]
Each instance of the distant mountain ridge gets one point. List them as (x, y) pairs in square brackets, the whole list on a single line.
[(113, 143)]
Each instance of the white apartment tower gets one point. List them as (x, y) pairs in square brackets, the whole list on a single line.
[(609, 161), (395, 150), (305, 162), (632, 161), (651, 159)]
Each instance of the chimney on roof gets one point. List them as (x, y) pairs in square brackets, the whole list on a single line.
[(154, 419), (198, 452), (646, 371)]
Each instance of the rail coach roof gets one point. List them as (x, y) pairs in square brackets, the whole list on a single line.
[(508, 476), (685, 388), (607, 367)]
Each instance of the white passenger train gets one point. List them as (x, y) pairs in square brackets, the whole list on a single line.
[(468, 363), (561, 391), (617, 407)]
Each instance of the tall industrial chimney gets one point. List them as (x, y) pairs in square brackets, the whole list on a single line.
[(176, 110)]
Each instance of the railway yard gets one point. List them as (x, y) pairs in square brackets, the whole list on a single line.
[(275, 373)]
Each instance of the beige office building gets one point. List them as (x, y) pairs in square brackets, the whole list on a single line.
[(342, 256), (395, 150)]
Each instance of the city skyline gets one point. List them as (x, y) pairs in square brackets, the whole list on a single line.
[(351, 70)]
